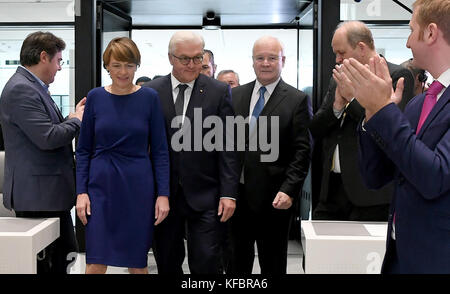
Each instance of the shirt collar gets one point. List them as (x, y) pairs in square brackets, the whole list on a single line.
[(44, 85), (269, 88), (444, 78), (176, 82)]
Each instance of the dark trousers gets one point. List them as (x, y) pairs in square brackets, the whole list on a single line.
[(391, 263), (338, 206), (202, 234), (270, 231), (225, 249), (54, 258)]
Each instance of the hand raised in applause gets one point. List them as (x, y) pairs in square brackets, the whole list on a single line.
[(365, 79)]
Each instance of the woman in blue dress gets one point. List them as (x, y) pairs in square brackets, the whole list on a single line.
[(122, 162)]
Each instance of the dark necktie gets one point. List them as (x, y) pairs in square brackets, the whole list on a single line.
[(179, 102), (429, 102), (258, 108)]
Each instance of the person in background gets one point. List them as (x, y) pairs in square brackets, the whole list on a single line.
[(39, 179), (269, 188), (411, 149), (420, 77), (208, 65), (117, 176), (157, 76), (142, 80), (230, 77), (343, 195), (203, 183)]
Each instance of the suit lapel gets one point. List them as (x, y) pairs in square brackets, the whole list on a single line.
[(443, 100), (45, 97), (243, 103), (196, 101), (416, 108), (166, 97), (278, 95), (54, 106)]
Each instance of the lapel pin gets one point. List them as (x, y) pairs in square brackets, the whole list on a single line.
[(201, 90)]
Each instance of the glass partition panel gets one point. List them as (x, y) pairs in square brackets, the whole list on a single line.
[(61, 89), (232, 50)]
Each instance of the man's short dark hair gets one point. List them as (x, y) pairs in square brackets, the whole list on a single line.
[(211, 55), (143, 79), (35, 43)]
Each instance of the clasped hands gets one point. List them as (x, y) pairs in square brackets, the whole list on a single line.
[(370, 84)]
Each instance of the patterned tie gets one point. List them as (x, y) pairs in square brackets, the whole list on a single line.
[(429, 102), (258, 108), (179, 102)]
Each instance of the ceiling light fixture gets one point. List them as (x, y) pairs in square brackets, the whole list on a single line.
[(211, 21)]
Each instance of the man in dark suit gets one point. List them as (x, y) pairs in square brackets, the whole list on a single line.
[(39, 180), (411, 148), (203, 184), (343, 196), (271, 179)]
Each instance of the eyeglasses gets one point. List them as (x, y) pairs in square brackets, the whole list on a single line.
[(184, 60), (270, 59)]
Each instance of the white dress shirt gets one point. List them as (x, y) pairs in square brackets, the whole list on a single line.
[(255, 96)]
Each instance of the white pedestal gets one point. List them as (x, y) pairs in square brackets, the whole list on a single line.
[(332, 247), (20, 241)]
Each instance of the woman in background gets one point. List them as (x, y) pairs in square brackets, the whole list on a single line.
[(117, 176)]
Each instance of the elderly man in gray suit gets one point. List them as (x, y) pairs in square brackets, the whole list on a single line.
[(39, 177)]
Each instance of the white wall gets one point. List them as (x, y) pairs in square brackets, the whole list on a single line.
[(232, 50), (374, 10), (33, 11)]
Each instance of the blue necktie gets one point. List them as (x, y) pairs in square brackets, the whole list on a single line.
[(258, 108)]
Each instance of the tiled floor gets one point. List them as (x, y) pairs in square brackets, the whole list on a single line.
[(294, 263)]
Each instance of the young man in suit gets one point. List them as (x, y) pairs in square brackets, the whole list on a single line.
[(411, 148), (343, 195), (39, 165), (269, 187), (203, 184)]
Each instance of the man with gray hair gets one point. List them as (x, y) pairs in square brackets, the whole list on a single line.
[(203, 184), (229, 76), (343, 195), (268, 190)]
